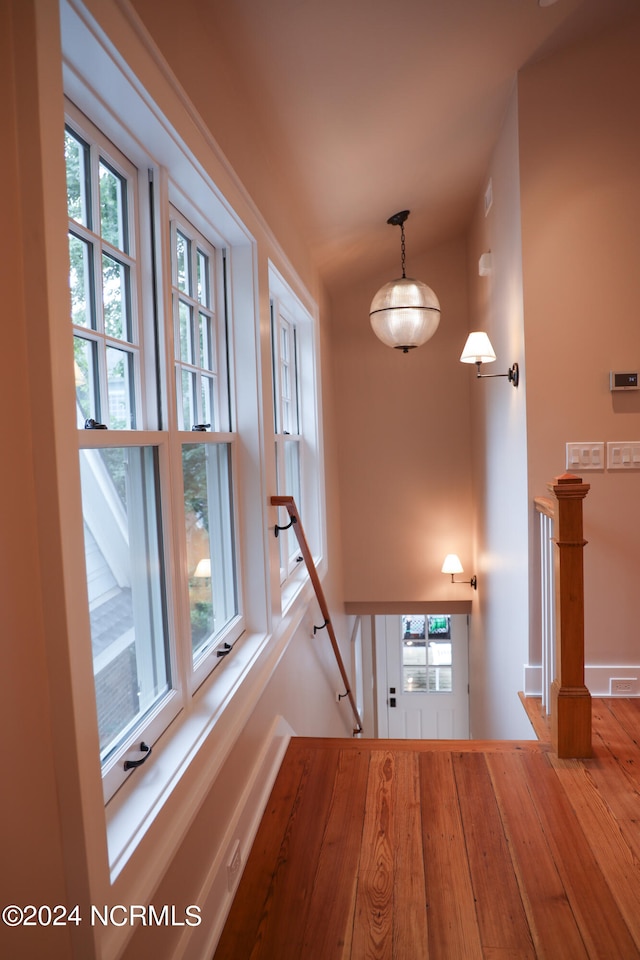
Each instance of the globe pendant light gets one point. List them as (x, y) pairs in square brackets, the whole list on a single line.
[(404, 313)]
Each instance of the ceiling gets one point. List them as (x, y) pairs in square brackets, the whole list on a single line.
[(380, 105)]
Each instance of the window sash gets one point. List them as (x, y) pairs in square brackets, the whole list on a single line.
[(199, 332), (209, 534), (102, 205), (122, 516)]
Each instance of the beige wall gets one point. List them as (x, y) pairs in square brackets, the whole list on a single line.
[(579, 166), (404, 437), (32, 862)]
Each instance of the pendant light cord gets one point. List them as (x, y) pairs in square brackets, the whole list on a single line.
[(402, 249)]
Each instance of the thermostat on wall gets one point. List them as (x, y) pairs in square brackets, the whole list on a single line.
[(623, 381)]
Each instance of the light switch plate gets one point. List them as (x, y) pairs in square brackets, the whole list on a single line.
[(623, 455), (588, 455)]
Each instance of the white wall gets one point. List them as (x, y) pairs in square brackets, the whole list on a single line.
[(499, 632)]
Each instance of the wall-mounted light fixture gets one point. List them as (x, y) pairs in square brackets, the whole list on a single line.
[(404, 313), (485, 265), (203, 568), (452, 565), (478, 350)]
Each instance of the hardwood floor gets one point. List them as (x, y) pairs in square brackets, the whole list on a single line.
[(448, 850)]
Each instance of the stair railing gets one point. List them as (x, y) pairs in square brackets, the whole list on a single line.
[(289, 504), (545, 509)]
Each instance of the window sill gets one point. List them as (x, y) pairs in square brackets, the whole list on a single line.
[(188, 757)]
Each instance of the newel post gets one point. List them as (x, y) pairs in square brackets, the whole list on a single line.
[(570, 698)]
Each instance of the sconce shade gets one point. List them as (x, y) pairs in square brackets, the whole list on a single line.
[(477, 349), (203, 569), (404, 313), (452, 564)]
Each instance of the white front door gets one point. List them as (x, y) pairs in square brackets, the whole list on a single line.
[(426, 693)]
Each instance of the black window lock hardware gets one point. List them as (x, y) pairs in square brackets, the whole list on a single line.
[(130, 764)]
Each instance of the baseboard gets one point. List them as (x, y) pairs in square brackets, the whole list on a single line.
[(217, 893), (599, 680)]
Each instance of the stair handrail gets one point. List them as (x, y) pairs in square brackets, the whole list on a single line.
[(289, 504)]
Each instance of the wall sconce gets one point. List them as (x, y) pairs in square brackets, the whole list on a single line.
[(478, 350), (404, 313), (452, 565), (203, 568), (485, 265)]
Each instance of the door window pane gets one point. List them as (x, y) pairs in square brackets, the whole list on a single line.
[(209, 529), (126, 590), (414, 666), (427, 654), (440, 666)]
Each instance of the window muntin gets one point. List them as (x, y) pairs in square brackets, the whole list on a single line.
[(427, 654), (200, 345), (286, 406), (125, 581), (103, 279)]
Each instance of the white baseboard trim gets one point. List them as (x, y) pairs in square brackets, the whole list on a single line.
[(216, 896), (598, 680)]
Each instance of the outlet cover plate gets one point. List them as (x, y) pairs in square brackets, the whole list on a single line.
[(624, 687)]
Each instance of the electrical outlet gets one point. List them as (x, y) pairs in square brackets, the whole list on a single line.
[(623, 686), (234, 864)]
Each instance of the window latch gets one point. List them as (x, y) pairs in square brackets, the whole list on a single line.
[(92, 424), (224, 650), (130, 764), (200, 427)]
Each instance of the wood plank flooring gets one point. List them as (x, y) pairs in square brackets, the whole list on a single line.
[(448, 850)]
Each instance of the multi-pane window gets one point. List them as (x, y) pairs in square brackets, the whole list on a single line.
[(202, 407), (200, 375), (287, 423), (427, 654), (101, 199), (145, 603)]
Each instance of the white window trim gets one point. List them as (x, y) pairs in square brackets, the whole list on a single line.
[(310, 428)]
